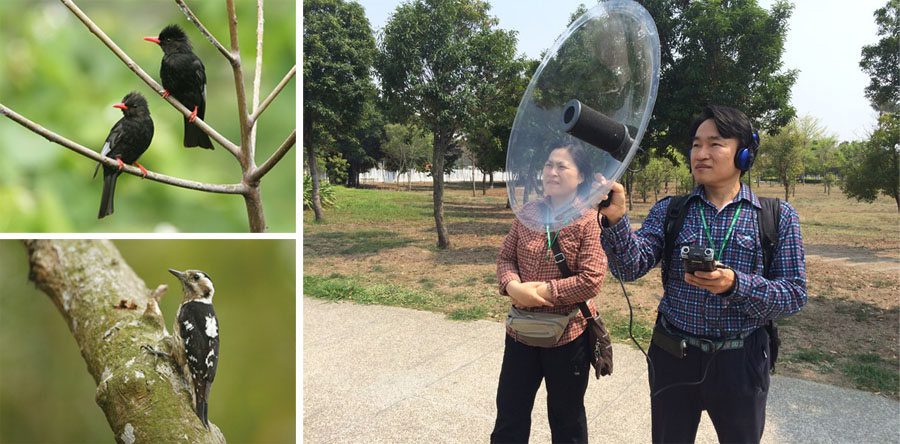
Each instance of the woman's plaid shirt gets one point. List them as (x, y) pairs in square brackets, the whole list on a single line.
[(754, 300), (524, 258)]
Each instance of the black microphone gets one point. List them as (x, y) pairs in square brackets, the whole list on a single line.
[(591, 126)]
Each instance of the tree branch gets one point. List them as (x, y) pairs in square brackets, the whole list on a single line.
[(231, 147), (246, 150), (257, 76), (102, 302), (258, 173), (91, 154), (265, 104), (193, 19)]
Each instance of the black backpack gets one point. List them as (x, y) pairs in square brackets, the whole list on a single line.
[(769, 217)]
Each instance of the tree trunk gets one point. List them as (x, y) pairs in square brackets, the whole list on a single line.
[(473, 179), (439, 147), (88, 280), (409, 180), (353, 177), (314, 173), (492, 180), (787, 191), (484, 184)]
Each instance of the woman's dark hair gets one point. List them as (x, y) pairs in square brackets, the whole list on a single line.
[(730, 122), (583, 163)]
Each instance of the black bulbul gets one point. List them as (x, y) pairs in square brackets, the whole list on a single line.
[(127, 140), (184, 77)]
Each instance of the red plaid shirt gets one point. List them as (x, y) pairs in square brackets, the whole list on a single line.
[(524, 258)]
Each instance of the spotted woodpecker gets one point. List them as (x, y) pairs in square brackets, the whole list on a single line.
[(197, 337)]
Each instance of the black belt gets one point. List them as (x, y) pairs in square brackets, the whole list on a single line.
[(706, 345)]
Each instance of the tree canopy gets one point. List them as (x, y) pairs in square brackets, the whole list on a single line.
[(437, 61), (719, 53), (882, 60), (338, 50)]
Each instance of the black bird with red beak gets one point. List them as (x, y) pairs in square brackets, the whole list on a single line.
[(127, 140), (184, 77)]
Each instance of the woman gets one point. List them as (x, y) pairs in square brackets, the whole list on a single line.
[(528, 274)]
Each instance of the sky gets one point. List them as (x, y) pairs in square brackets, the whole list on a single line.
[(824, 42)]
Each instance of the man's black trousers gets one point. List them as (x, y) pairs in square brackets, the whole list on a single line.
[(565, 369), (733, 393)]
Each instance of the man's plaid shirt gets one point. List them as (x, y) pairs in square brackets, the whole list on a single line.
[(524, 258), (755, 299)]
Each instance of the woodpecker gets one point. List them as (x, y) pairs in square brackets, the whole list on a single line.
[(127, 140), (184, 77), (196, 349)]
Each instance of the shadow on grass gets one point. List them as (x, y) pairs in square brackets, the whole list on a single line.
[(478, 229), (336, 243)]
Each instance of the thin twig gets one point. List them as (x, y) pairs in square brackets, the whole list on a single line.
[(91, 154), (193, 19), (258, 173), (231, 147), (265, 104), (257, 76), (245, 159)]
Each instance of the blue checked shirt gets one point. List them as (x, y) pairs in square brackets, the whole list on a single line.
[(754, 300)]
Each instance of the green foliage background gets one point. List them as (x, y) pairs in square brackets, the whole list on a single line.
[(46, 394), (55, 72)]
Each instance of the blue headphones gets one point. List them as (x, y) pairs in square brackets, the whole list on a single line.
[(744, 158)]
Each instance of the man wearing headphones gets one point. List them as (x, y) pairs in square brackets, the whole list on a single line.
[(710, 348)]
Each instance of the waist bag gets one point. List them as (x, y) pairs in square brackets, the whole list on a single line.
[(537, 328)]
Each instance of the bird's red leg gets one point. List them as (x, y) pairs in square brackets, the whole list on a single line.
[(143, 170), (193, 115), (165, 94), (121, 164)]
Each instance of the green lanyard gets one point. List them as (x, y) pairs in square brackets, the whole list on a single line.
[(727, 234), (550, 242)]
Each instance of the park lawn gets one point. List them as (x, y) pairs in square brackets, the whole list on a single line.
[(378, 246)]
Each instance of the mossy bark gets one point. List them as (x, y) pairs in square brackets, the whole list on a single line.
[(111, 313)]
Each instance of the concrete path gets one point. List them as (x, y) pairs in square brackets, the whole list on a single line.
[(374, 374)]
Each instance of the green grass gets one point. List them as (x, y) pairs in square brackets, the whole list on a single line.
[(617, 325), (340, 288), (367, 206), (468, 313), (360, 242), (337, 287), (813, 356), (870, 372), (427, 283)]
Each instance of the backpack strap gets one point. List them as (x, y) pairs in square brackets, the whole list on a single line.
[(675, 214), (769, 219)]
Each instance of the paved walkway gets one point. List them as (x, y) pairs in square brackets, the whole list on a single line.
[(374, 374)]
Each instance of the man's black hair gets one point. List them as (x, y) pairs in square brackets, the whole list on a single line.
[(730, 122)]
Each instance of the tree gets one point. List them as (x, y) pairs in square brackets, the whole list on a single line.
[(784, 153), (245, 152), (405, 148), (879, 168), (721, 53), (882, 61), (488, 132), (364, 149), (78, 278), (433, 58), (338, 50)]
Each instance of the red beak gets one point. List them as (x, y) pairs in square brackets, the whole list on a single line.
[(120, 106), (152, 39)]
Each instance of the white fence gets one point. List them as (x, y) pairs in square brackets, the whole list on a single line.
[(463, 174)]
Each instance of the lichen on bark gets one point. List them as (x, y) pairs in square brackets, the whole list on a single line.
[(111, 313)]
